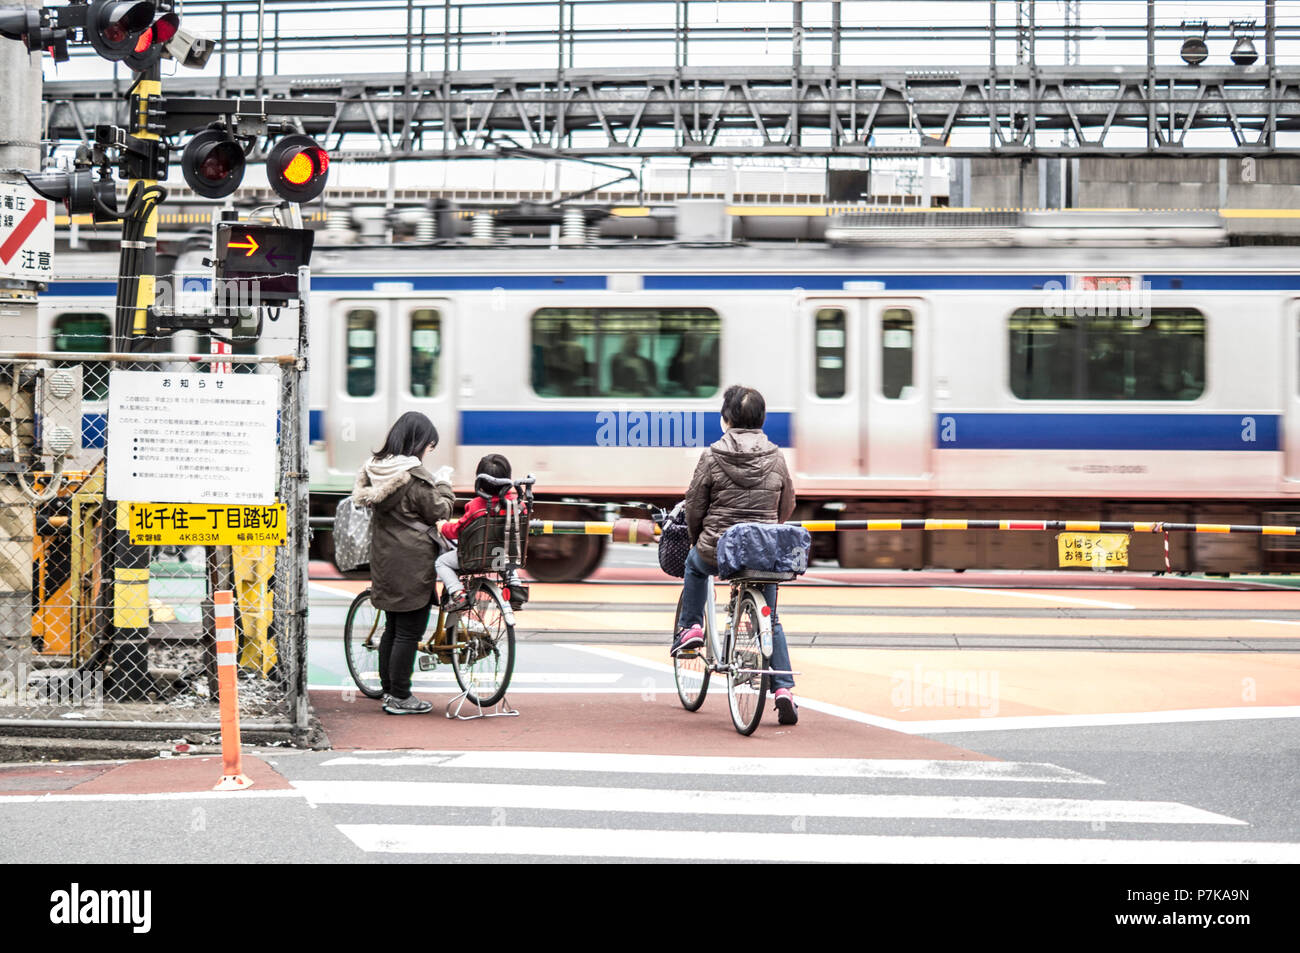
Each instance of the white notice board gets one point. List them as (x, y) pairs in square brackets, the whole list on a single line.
[(191, 438), (26, 234)]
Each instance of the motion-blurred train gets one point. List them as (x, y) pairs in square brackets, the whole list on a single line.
[(1085, 383)]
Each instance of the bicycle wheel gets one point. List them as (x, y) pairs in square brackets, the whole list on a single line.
[(690, 673), (746, 686), (361, 634), (484, 656)]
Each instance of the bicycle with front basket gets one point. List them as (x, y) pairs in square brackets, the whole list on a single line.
[(478, 641)]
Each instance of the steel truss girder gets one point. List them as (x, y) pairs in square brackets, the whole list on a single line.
[(727, 111)]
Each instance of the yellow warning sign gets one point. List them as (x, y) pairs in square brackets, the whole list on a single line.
[(1092, 550), (206, 524)]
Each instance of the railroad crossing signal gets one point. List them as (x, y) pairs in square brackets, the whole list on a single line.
[(297, 168), (213, 163), (152, 43), (114, 28), (265, 256)]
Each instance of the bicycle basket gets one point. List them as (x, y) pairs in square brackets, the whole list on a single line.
[(674, 543), (497, 542)]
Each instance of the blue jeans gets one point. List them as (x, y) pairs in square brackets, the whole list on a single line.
[(695, 590)]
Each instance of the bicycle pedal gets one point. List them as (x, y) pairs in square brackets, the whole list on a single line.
[(427, 662)]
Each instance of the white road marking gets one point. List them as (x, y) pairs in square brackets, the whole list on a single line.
[(1277, 621), (915, 769), (801, 848), (545, 797), (1035, 595)]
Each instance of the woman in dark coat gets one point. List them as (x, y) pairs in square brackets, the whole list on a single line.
[(741, 478), (408, 502)]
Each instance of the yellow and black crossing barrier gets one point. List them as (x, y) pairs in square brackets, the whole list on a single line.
[(644, 531)]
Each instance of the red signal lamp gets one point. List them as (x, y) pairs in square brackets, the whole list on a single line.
[(151, 45), (114, 28), (297, 168)]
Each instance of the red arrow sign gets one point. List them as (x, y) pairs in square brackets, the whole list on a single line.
[(22, 231)]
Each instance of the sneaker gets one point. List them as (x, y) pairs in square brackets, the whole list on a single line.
[(457, 601), (687, 641), (517, 593), (787, 712), (410, 705)]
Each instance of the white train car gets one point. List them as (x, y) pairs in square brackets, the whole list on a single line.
[(1073, 383)]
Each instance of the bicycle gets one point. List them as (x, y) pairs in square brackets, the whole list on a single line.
[(741, 652), (478, 641)]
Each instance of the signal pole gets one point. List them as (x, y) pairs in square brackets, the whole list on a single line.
[(136, 290), (20, 131)]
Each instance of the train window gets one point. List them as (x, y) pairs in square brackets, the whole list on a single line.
[(828, 352), (897, 327), (426, 348), (361, 352), (625, 352), (1155, 357), (79, 331)]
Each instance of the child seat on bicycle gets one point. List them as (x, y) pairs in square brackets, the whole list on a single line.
[(492, 535)]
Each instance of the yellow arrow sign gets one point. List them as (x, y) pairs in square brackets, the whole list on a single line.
[(248, 243)]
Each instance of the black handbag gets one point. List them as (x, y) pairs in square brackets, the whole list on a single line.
[(674, 543)]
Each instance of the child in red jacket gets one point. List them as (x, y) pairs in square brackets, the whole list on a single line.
[(448, 564)]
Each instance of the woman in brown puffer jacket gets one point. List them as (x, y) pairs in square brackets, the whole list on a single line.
[(741, 478), (408, 502)]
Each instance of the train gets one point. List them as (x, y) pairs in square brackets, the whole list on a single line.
[(1118, 382)]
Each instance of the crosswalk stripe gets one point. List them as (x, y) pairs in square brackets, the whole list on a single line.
[(751, 803), (904, 768), (800, 848)]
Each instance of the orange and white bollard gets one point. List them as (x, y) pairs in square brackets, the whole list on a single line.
[(223, 610)]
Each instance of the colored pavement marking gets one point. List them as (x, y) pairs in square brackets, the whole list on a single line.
[(939, 685), (805, 623), (164, 775), (955, 597), (652, 722)]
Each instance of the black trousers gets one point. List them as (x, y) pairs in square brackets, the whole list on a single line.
[(402, 634)]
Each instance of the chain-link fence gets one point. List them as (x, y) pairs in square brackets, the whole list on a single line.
[(106, 605)]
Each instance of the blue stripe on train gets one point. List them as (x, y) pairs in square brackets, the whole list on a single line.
[(735, 282), (1108, 431), (838, 282), (315, 425), (590, 428)]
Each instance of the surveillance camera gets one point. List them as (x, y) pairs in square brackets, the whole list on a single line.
[(189, 49)]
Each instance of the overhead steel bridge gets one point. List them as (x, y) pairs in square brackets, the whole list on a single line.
[(462, 89)]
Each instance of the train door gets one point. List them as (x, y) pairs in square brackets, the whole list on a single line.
[(864, 411), (393, 358), (1291, 398), (896, 399), (357, 419), (826, 431), (422, 378)]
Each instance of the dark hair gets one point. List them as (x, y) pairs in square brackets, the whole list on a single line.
[(743, 407), (494, 465), (409, 436)]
